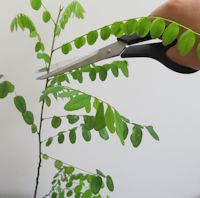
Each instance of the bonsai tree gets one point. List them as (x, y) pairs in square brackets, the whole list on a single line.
[(85, 113)]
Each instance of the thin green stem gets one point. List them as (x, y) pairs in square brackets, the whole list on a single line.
[(65, 163), (42, 109), (51, 16), (62, 132), (62, 116)]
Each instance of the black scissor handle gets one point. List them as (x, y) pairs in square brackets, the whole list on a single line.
[(133, 39), (158, 52), (154, 50)]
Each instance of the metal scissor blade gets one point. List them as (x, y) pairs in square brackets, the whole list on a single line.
[(109, 51)]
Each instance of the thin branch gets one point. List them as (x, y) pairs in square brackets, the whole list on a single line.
[(42, 110), (63, 116), (51, 16), (91, 173), (62, 132)]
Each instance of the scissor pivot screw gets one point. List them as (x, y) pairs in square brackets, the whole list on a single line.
[(109, 51)]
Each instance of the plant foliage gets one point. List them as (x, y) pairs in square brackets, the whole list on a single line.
[(99, 116)]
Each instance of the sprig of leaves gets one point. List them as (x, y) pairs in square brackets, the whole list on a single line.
[(28, 117), (73, 9), (69, 181), (6, 87), (106, 118), (93, 72), (155, 26)]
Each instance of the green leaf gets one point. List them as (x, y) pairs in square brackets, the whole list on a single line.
[(48, 101), (78, 189), (78, 102), (157, 28), (58, 164), (123, 65), (104, 134), (77, 75), (99, 122), (100, 173), (39, 46), (69, 169), (96, 103), (34, 128), (114, 70), (28, 117), (143, 27), (49, 141), (20, 103), (87, 194), (119, 127), (92, 37), (1, 76), (54, 195), (72, 119), (109, 183), (92, 74), (66, 48), (170, 34), (56, 122), (102, 73), (79, 10), (36, 4), (62, 194), (46, 16), (88, 122), (117, 29), (68, 94), (105, 33), (80, 42), (110, 119), (62, 78), (198, 51), (44, 57), (96, 184), (124, 68), (45, 156), (72, 136), (130, 26), (136, 136), (69, 193), (186, 42), (86, 134), (61, 138), (125, 130), (5, 88), (74, 8), (152, 132)]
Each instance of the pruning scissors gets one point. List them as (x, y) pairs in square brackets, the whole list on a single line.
[(125, 48)]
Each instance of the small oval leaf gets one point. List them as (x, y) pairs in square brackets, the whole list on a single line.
[(157, 28), (105, 33), (143, 27), (28, 117), (136, 136), (170, 34), (186, 42), (36, 4), (20, 103), (56, 122), (109, 183), (92, 37)]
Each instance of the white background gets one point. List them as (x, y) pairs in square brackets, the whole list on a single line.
[(151, 95)]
